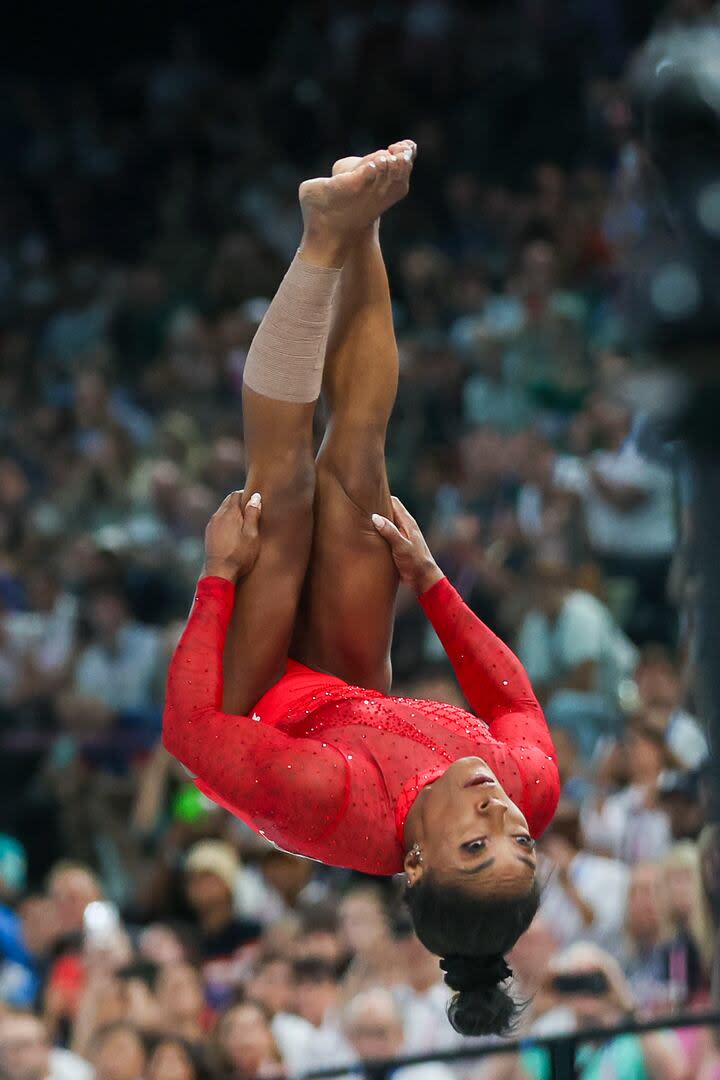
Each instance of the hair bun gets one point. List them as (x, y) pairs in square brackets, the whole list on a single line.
[(464, 973)]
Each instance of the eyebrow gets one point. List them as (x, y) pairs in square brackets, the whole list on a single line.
[(489, 862)]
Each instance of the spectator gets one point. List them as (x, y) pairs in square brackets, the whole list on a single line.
[(119, 668), (211, 869), (690, 951), (575, 654), (365, 933), (585, 897), (373, 1026), (118, 1052), (647, 930), (628, 824), (244, 1044), (26, 1053), (175, 1059), (586, 985), (180, 1002), (629, 512)]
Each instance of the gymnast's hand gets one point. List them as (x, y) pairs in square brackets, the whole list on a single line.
[(413, 558), (232, 539)]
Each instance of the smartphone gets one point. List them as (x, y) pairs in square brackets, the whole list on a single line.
[(594, 983), (101, 922)]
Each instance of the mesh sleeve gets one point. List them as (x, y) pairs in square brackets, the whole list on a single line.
[(492, 678), (298, 786)]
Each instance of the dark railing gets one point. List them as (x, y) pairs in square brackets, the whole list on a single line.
[(561, 1049)]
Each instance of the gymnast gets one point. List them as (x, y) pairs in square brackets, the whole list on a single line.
[(278, 693)]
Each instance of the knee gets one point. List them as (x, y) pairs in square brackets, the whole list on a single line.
[(362, 480), (287, 484)]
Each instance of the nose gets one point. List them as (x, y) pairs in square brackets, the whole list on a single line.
[(492, 809)]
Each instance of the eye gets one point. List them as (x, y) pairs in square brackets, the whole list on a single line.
[(474, 847), (526, 841)]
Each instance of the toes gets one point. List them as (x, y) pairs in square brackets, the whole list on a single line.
[(347, 164), (381, 160), (406, 149)]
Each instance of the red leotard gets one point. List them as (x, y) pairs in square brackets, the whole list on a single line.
[(329, 770)]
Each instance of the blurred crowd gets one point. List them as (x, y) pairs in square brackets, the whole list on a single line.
[(145, 220)]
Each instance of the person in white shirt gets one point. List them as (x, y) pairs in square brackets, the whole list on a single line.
[(630, 516), (373, 1026), (629, 824), (584, 899), (120, 666), (26, 1054), (575, 654)]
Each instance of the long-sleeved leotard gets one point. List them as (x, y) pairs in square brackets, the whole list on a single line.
[(329, 770)]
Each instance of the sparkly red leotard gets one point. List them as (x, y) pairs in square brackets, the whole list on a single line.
[(329, 770)]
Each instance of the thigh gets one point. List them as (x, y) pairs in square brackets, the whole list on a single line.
[(346, 621)]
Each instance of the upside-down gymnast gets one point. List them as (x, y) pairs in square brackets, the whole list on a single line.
[(328, 765)]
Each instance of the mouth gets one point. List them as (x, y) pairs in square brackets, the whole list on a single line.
[(479, 780)]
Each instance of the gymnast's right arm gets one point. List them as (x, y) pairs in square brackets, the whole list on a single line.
[(293, 785)]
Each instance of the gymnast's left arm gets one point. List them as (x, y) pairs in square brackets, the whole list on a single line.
[(492, 678)]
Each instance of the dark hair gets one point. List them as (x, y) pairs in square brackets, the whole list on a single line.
[(194, 1052), (472, 936), (313, 969)]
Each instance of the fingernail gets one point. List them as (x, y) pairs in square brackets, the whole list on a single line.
[(255, 500), (372, 165), (378, 521), (408, 155), (391, 157), (383, 159)]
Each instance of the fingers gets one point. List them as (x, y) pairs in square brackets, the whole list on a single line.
[(403, 517), (389, 532), (231, 501), (253, 510)]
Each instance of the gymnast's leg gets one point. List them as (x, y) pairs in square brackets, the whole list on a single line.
[(345, 625), (282, 381)]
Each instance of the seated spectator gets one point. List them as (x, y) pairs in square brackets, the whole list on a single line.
[(373, 1026), (42, 639), (26, 1052), (585, 897), (179, 994), (421, 994), (575, 654), (172, 1058), (365, 933), (118, 1052), (211, 869), (646, 933), (119, 668), (244, 1045), (629, 824), (679, 798), (72, 887), (660, 689), (585, 988), (629, 510), (316, 990), (690, 951)]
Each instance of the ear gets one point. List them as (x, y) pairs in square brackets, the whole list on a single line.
[(413, 867)]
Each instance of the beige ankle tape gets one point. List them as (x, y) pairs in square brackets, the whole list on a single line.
[(285, 361)]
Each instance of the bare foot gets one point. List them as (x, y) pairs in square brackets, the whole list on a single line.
[(335, 209)]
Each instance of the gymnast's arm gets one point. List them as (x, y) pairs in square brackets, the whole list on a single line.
[(492, 678), (296, 785)]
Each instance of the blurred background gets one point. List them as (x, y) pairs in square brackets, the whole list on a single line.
[(151, 157)]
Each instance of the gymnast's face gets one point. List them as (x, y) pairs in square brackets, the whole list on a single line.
[(471, 835)]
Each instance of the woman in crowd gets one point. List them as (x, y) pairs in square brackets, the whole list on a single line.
[(327, 765), (172, 1058), (244, 1045)]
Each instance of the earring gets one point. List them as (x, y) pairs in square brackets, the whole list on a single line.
[(415, 850)]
